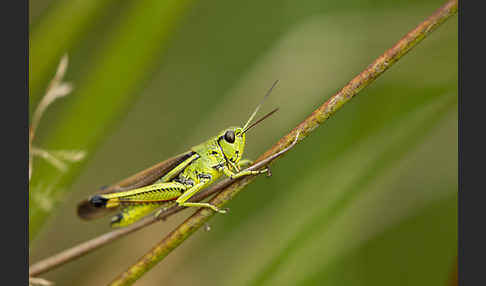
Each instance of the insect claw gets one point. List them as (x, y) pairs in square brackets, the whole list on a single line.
[(269, 173), (207, 227), (223, 211), (116, 219), (157, 215)]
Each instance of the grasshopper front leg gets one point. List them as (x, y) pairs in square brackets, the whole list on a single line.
[(243, 173), (245, 163)]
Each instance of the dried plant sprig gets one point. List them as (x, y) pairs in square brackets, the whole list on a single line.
[(48, 157), (57, 158), (55, 90)]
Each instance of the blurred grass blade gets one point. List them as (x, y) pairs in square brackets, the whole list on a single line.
[(424, 241), (106, 93), (62, 28), (397, 141)]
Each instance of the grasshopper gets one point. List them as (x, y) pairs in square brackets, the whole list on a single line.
[(176, 180)]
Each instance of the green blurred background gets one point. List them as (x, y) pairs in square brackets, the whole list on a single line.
[(369, 199)]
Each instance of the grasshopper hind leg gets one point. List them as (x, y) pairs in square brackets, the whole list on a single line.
[(205, 205), (133, 213)]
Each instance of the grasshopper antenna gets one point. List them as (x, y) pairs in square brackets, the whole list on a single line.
[(261, 119), (246, 127)]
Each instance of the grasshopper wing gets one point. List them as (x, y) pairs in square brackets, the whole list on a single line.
[(144, 178)]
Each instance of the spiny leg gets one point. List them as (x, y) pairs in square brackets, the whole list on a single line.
[(181, 201), (138, 203), (133, 213), (205, 205), (157, 192), (244, 163), (243, 173), (230, 174)]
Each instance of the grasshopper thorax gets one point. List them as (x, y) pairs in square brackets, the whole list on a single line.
[(232, 143)]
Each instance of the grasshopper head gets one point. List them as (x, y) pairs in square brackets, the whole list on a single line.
[(232, 142)]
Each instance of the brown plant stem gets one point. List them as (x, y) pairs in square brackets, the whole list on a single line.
[(319, 116)]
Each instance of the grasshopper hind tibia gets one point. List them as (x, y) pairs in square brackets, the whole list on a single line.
[(116, 219)]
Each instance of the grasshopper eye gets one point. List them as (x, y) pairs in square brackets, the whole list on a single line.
[(229, 136)]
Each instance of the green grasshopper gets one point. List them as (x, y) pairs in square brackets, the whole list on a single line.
[(176, 180)]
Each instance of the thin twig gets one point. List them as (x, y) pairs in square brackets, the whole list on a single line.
[(56, 89), (320, 115)]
